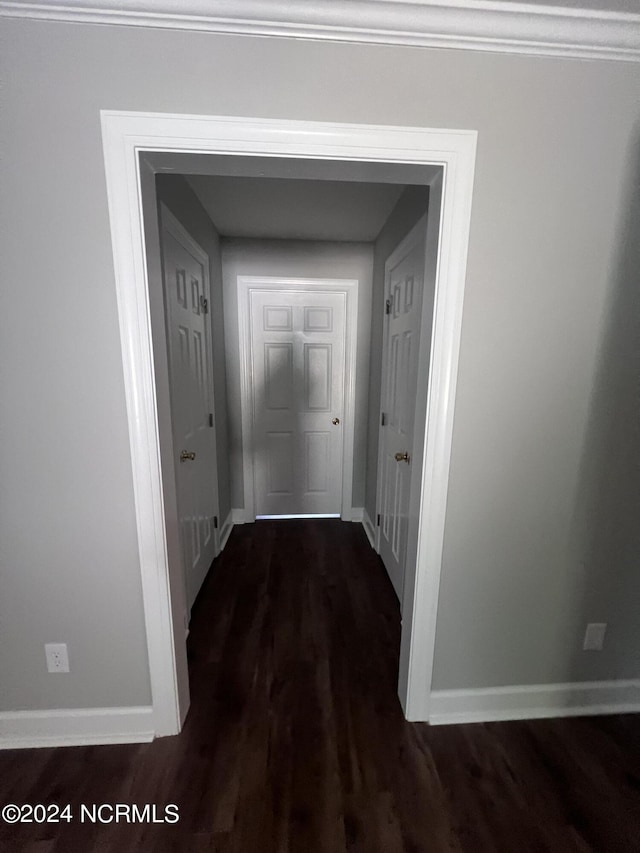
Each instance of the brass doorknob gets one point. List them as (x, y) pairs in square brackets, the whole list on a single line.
[(187, 455), (402, 457), (335, 421)]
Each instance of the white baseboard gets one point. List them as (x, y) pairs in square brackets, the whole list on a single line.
[(225, 530), (238, 515), (75, 727), (357, 513), (533, 701), (369, 529)]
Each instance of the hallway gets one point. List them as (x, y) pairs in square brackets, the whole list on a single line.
[(295, 740)]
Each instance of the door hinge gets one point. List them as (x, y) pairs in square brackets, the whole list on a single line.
[(215, 521), (378, 521), (383, 419), (210, 419), (204, 304)]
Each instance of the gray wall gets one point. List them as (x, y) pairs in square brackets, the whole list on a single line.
[(291, 259), (411, 205), (527, 557), (176, 193), (551, 539)]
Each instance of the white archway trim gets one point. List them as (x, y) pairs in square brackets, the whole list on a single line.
[(125, 136)]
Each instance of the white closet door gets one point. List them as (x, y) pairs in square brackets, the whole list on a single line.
[(404, 284), (186, 285)]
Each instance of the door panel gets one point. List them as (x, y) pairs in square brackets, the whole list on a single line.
[(403, 292), (316, 455), (318, 319), (278, 376), (317, 377), (280, 452), (298, 364), (186, 289)]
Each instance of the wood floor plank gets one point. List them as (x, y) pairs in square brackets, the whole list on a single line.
[(296, 743)]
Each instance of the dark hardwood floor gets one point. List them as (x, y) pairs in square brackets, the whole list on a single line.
[(295, 741)]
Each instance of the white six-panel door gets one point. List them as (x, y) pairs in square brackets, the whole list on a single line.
[(186, 288), (404, 284), (298, 379)]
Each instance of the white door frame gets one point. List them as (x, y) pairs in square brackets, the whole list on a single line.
[(125, 136), (349, 287)]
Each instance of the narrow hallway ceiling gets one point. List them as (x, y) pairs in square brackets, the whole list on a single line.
[(274, 208)]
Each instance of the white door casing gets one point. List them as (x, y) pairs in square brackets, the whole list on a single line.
[(341, 295), (404, 286), (127, 137), (187, 297), (297, 396)]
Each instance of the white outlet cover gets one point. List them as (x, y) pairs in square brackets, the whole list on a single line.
[(57, 657), (594, 636)]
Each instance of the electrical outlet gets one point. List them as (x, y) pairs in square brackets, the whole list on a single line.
[(57, 657), (594, 637)]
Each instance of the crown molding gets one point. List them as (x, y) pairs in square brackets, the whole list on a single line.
[(489, 25)]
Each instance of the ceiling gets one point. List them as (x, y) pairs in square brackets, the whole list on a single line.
[(279, 208)]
